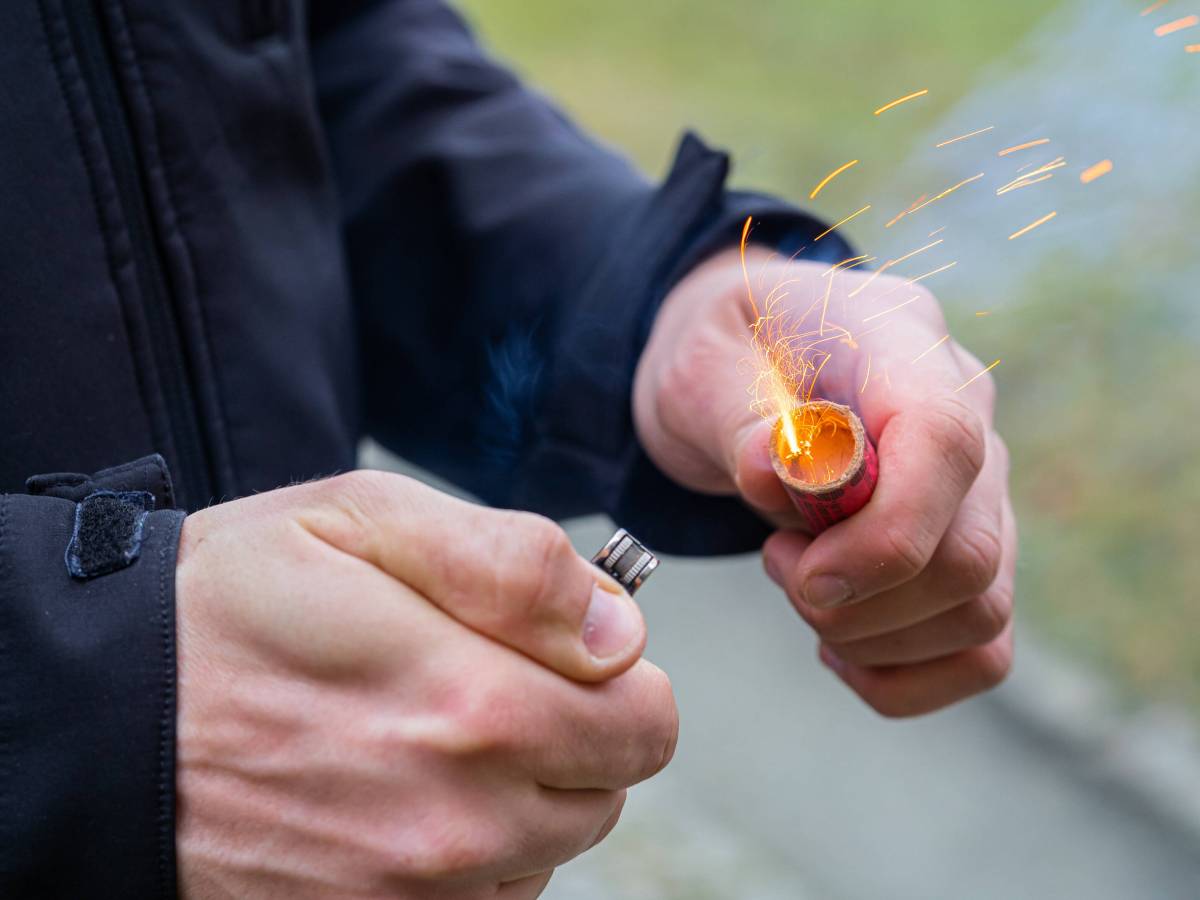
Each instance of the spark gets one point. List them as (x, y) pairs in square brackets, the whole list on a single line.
[(745, 271), (828, 178), (867, 379), (878, 315), (911, 207), (1023, 183), (1154, 7), (937, 232), (975, 378), (944, 193), (887, 265), (908, 256), (1041, 173), (1025, 146), (817, 374), (1100, 169), (982, 313), (852, 262), (963, 137), (938, 271), (913, 96), (939, 343), (787, 360), (841, 223), (1028, 228), (913, 281), (1192, 48), (1177, 25)]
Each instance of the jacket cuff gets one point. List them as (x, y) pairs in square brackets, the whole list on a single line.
[(87, 709), (688, 218)]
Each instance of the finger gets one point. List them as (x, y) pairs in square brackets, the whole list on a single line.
[(607, 736), (552, 827), (512, 576), (612, 820), (931, 449), (971, 624), (913, 690), (964, 566), (525, 888)]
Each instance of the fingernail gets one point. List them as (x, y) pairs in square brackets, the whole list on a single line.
[(832, 660), (824, 591), (610, 625)]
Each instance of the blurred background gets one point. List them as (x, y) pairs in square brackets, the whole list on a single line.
[(1080, 778)]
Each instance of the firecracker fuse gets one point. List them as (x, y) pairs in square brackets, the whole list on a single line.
[(824, 458)]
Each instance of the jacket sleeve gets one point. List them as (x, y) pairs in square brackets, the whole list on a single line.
[(87, 708), (507, 270)]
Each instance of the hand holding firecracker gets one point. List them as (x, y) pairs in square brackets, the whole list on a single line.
[(911, 595)]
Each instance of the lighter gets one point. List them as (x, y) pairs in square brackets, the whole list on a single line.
[(627, 560)]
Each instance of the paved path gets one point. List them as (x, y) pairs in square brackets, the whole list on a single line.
[(784, 786)]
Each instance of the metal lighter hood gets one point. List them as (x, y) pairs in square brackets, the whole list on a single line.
[(627, 560)]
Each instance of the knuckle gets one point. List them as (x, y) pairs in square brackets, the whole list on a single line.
[(450, 846), (527, 585), (987, 387), (958, 433), (657, 735), (477, 719), (999, 451), (894, 704), (362, 486), (614, 817), (975, 559), (345, 509), (994, 664), (361, 497), (988, 617), (834, 626), (681, 394), (926, 306), (905, 551), (927, 302), (984, 386)]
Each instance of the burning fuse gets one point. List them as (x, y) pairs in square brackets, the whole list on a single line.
[(627, 560), (824, 458)]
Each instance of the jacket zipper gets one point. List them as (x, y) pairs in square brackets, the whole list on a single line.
[(194, 480)]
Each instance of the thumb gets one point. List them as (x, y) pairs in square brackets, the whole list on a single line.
[(511, 576)]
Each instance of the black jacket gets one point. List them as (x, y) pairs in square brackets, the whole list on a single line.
[(243, 234)]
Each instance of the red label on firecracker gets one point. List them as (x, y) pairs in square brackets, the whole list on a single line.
[(822, 510)]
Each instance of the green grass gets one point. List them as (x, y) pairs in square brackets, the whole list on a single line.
[(784, 85), (1104, 441)]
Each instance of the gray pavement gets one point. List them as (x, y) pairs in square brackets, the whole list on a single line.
[(785, 785)]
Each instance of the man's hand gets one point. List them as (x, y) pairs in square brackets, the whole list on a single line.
[(372, 698), (911, 597)]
